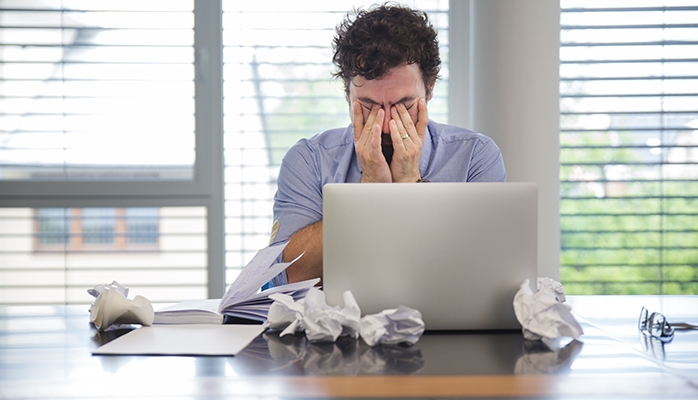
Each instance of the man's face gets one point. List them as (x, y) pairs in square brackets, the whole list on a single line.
[(402, 84)]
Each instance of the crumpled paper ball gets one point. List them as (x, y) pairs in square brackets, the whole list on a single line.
[(398, 325), (324, 323), (542, 314), (285, 314), (98, 289), (312, 315), (111, 308)]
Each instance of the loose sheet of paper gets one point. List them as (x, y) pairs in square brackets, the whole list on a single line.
[(255, 274), (183, 340)]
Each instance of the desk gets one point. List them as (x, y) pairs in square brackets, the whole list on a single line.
[(45, 353)]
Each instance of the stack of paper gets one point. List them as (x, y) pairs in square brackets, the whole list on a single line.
[(243, 298), (256, 307), (190, 312)]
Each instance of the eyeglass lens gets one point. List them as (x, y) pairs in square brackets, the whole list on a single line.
[(642, 322)]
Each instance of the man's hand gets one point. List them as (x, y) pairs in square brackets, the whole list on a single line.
[(367, 142), (407, 138), (407, 141)]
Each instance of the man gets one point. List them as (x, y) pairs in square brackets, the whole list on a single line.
[(388, 59)]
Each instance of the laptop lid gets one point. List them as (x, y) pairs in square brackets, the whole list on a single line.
[(457, 252)]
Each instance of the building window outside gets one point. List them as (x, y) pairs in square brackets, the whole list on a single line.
[(89, 229)]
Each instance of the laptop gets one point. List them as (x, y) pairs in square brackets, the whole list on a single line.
[(457, 252)]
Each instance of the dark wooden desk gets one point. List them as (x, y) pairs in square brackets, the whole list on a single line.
[(45, 353)]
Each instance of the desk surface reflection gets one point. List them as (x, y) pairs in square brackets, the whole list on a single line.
[(45, 353), (435, 354)]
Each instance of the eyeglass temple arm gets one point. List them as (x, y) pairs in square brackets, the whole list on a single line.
[(683, 326)]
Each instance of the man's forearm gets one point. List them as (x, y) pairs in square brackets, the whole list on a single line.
[(308, 240)]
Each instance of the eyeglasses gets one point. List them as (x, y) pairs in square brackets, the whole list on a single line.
[(655, 325)]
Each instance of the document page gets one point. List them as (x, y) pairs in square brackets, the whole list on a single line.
[(255, 274)]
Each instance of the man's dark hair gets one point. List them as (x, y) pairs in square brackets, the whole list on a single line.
[(369, 43)]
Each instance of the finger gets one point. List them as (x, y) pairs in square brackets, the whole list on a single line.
[(376, 137), (423, 118), (370, 139), (357, 120), (399, 118), (404, 116), (378, 120), (372, 115), (396, 136), (370, 121), (362, 133)]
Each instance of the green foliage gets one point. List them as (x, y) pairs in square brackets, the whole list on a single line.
[(621, 237), (680, 288), (681, 273)]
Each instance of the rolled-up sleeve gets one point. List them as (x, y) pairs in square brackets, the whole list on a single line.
[(298, 199)]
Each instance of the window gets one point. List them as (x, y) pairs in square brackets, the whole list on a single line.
[(141, 225), (97, 228), (629, 147)]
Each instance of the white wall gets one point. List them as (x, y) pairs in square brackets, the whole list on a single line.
[(507, 70)]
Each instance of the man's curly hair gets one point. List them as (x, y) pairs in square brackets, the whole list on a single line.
[(369, 43)]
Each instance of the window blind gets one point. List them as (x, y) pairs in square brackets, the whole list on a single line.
[(629, 147), (96, 90), (53, 255), (277, 89)]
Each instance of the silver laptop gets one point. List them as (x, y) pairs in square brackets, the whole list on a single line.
[(457, 252)]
